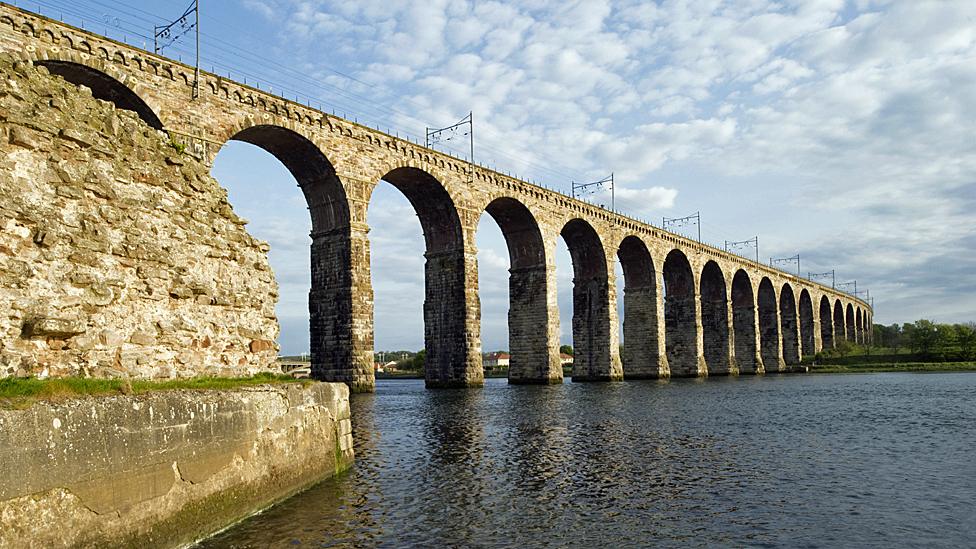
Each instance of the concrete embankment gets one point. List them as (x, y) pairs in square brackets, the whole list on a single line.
[(165, 468)]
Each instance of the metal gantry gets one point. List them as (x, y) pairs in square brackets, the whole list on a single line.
[(434, 136), (672, 222), (581, 189), (174, 30), (823, 276), (773, 261), (731, 246)]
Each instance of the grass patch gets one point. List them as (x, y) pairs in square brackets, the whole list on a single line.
[(20, 393), (876, 367)]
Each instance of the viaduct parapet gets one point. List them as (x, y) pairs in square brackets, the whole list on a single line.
[(690, 309)]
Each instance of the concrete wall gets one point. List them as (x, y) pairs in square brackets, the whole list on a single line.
[(165, 468), (338, 163)]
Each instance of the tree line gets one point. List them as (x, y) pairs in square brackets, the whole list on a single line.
[(930, 340)]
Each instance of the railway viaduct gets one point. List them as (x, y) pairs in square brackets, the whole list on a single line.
[(689, 309)]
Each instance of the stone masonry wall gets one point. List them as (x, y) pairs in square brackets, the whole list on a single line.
[(119, 254), (166, 468)]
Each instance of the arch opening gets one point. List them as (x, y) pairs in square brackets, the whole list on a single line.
[(594, 356), (769, 334), (826, 324), (533, 343), (642, 354), (338, 351), (789, 325), (808, 345), (859, 324), (851, 325), (682, 340), (103, 87), (451, 309), (716, 346), (840, 334), (744, 326)]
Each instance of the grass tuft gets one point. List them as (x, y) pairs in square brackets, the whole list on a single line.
[(20, 393)]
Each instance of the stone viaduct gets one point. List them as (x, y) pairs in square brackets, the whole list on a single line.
[(690, 309)]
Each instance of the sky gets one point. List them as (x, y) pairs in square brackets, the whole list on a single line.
[(844, 132)]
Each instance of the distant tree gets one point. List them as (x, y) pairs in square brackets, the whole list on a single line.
[(922, 336), (566, 349), (966, 334)]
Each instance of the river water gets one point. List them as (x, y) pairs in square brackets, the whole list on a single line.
[(881, 460)]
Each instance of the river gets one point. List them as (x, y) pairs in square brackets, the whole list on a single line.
[(881, 460)]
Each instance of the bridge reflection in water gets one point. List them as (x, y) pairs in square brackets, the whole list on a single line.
[(732, 461), (690, 309)]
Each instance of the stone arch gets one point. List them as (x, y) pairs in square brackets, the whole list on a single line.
[(642, 353), (789, 325), (839, 331), (594, 357), (103, 86), (826, 324), (744, 332), (716, 344), (808, 344), (769, 333), (532, 341), (340, 329), (682, 336), (451, 310), (851, 326), (859, 324)]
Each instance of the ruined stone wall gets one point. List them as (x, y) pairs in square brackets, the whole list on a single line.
[(119, 254), (163, 469)]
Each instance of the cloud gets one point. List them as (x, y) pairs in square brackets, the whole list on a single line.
[(840, 129)]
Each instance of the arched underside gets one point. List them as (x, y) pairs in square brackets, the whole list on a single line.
[(451, 318), (643, 353), (840, 334), (744, 323), (103, 87), (851, 324), (808, 345), (859, 324), (789, 326), (532, 336), (340, 327), (716, 344), (769, 338), (683, 342), (826, 324), (594, 359)]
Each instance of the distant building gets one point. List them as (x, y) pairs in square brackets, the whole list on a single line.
[(496, 360), (565, 359)]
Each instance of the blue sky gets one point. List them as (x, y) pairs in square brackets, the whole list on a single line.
[(842, 131)]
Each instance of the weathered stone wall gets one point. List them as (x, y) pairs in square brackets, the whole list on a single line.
[(166, 468), (119, 254)]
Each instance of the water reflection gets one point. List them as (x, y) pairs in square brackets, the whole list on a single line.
[(777, 460)]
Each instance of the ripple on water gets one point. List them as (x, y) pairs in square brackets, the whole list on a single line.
[(867, 460)]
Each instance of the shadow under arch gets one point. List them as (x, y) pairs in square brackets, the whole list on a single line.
[(840, 334), (683, 342), (744, 325), (851, 325), (451, 322), (826, 324), (339, 352), (789, 325), (533, 343), (769, 330), (643, 354), (594, 359), (716, 343), (103, 87), (808, 344)]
